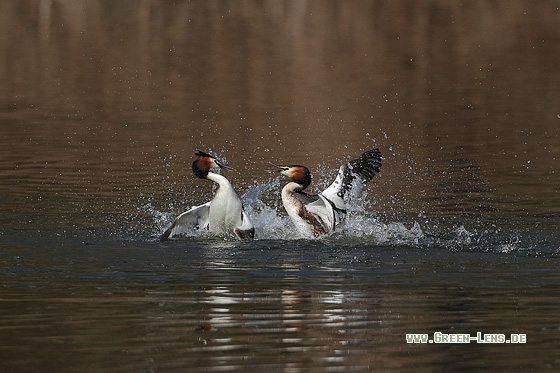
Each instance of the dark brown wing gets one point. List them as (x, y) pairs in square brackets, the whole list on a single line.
[(365, 167)]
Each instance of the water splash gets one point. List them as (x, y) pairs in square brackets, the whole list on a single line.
[(262, 202), (269, 222), (362, 226)]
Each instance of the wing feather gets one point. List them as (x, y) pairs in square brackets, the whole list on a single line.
[(352, 176), (323, 211), (193, 219)]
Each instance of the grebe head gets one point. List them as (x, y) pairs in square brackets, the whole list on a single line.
[(296, 173), (202, 165)]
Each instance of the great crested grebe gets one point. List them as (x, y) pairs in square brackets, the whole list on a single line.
[(318, 214), (222, 215)]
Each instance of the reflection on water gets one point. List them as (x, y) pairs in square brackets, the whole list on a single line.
[(103, 104), (205, 307)]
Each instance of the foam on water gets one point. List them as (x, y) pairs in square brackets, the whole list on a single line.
[(262, 202), (366, 223)]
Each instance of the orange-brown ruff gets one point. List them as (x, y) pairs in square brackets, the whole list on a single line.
[(315, 215), (203, 163), (223, 215)]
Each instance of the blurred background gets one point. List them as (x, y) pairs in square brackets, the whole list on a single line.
[(103, 103)]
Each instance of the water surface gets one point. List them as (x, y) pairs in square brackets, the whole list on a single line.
[(102, 106)]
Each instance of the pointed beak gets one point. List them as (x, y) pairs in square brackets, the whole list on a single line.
[(277, 168), (223, 166)]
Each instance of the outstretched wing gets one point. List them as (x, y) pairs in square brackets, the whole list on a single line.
[(246, 231), (195, 218), (323, 211), (352, 177)]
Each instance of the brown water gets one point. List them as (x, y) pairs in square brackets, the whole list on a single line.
[(103, 104)]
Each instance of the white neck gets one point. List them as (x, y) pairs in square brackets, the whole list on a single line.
[(225, 212), (219, 179), (291, 204), (291, 187)]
